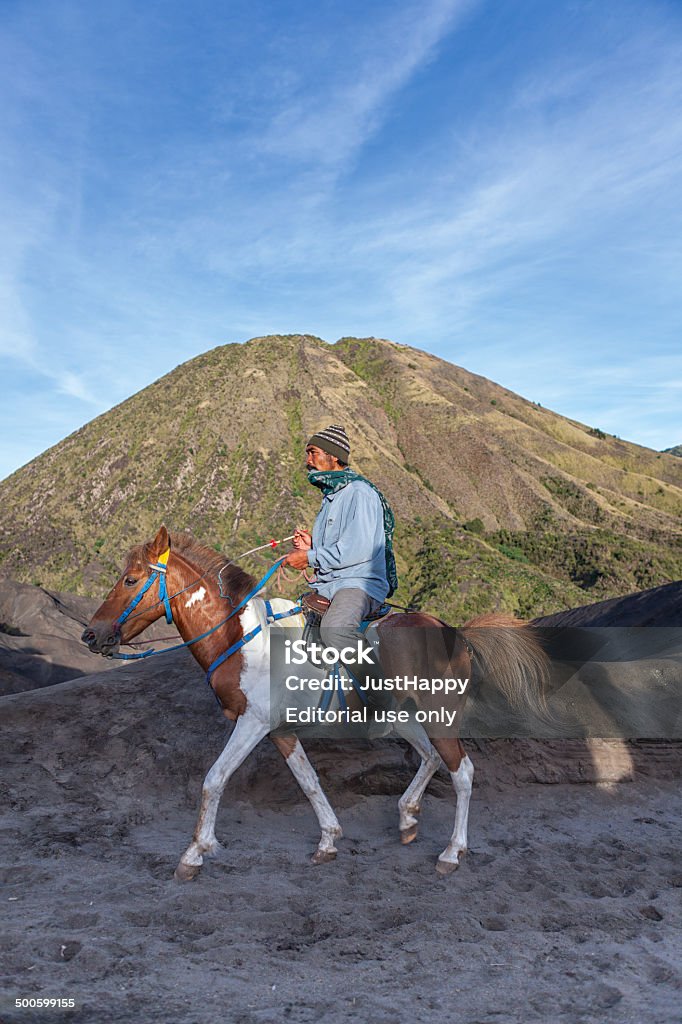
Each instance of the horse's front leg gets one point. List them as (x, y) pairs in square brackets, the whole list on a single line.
[(410, 803), (462, 774), (295, 756), (247, 733)]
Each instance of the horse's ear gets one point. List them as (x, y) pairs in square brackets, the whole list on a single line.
[(160, 543)]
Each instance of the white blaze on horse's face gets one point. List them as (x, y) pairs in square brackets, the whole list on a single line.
[(196, 597)]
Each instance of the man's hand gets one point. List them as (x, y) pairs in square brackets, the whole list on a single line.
[(296, 559), (303, 540)]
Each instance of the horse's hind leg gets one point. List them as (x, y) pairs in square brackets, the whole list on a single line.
[(410, 802), (462, 773), (295, 756), (247, 733)]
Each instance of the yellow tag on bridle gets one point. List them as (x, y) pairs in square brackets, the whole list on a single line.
[(160, 565)]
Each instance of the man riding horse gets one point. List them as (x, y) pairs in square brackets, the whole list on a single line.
[(350, 550)]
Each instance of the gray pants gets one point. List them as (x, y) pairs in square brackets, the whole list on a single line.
[(339, 628)]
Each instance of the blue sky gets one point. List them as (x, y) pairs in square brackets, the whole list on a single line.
[(494, 181)]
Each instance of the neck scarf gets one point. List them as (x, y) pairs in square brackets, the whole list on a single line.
[(334, 480)]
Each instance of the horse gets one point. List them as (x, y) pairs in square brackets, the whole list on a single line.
[(214, 606)]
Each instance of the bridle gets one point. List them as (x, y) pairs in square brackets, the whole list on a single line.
[(158, 572)]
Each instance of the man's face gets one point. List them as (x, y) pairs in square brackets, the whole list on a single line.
[(318, 460)]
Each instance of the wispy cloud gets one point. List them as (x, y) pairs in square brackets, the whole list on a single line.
[(75, 386), (395, 169), (590, 187), (333, 120)]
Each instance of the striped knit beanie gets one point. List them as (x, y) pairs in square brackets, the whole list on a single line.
[(334, 441)]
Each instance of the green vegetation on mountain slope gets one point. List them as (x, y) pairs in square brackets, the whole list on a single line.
[(500, 503)]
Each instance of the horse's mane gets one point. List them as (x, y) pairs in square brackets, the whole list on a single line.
[(236, 583)]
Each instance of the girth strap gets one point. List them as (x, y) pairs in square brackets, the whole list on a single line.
[(230, 651), (271, 617)]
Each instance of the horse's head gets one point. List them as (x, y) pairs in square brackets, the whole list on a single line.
[(115, 622)]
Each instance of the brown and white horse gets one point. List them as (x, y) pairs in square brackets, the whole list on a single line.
[(502, 648)]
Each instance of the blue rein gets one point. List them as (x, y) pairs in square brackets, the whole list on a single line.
[(159, 572)]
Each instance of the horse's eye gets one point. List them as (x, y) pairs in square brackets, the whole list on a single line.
[(130, 581)]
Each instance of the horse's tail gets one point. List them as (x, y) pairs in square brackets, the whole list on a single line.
[(510, 655)]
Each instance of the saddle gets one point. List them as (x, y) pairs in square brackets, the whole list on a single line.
[(314, 606)]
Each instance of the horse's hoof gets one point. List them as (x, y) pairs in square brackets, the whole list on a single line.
[(408, 835), (323, 856), (446, 867), (186, 872)]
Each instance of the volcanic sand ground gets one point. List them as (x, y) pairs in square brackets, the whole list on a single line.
[(567, 908)]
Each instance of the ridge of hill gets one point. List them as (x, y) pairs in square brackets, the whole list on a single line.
[(660, 607), (500, 503)]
